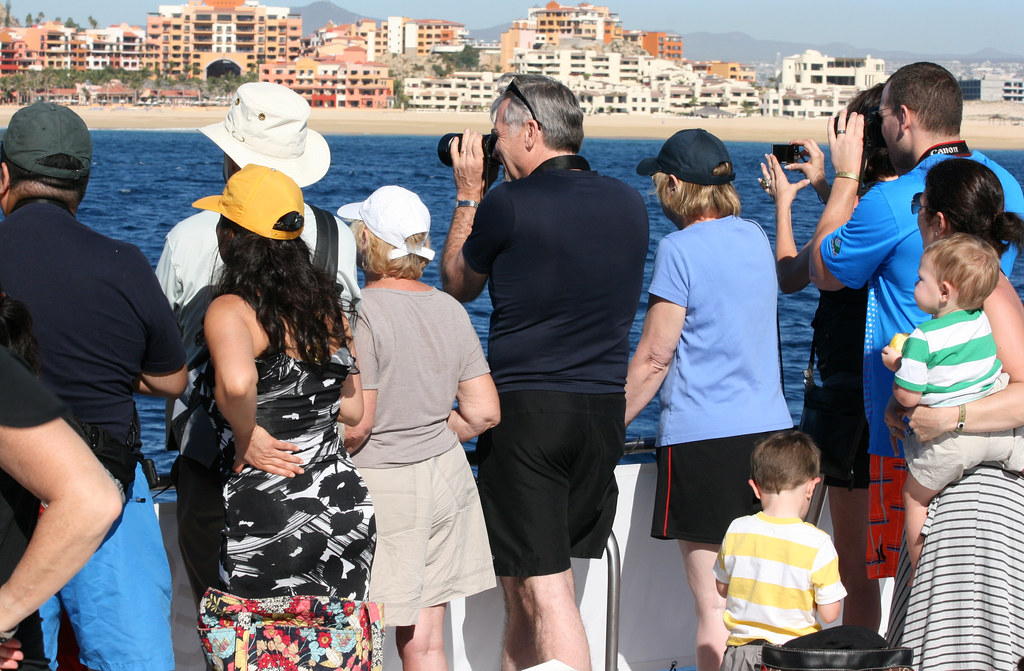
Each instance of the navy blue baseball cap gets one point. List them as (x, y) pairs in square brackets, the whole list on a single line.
[(691, 155)]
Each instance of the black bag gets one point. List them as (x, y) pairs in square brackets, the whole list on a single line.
[(117, 457), (842, 648), (834, 418)]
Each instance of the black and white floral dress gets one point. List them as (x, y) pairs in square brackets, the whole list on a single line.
[(313, 534)]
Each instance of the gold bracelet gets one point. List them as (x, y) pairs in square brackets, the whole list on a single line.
[(848, 175), (960, 422)]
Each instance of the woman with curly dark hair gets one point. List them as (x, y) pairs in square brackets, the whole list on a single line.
[(299, 522)]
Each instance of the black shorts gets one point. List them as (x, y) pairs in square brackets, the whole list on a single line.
[(702, 487), (861, 468), (547, 478)]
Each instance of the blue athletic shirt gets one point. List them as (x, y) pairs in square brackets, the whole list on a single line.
[(724, 377), (881, 246)]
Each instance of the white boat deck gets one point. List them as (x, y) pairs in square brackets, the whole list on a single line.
[(657, 625)]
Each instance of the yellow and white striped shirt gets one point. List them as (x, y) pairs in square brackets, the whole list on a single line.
[(777, 570)]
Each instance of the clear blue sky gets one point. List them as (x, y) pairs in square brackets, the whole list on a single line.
[(919, 26)]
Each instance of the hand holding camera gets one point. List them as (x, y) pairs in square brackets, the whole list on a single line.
[(846, 144), (471, 156)]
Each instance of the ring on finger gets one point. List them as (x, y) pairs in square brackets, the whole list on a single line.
[(840, 132)]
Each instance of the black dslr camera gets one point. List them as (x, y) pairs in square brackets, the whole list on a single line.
[(445, 144)]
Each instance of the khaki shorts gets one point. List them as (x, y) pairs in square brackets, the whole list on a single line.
[(943, 460), (431, 539)]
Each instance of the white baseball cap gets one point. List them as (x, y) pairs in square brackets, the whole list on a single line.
[(393, 214), (266, 125)]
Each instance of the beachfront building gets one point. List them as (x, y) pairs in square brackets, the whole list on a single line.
[(420, 37), (815, 85), (332, 40), (993, 87), (566, 65), (520, 36), (13, 52), (555, 22), (815, 71), (668, 46), (458, 92), (118, 47), (342, 80), (805, 104), (726, 69), (207, 37)]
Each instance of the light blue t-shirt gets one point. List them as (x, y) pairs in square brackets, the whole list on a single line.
[(881, 246), (724, 377)]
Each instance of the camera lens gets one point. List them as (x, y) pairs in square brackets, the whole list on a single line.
[(444, 147), (453, 141)]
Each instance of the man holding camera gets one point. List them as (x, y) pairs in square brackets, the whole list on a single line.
[(877, 241), (562, 250)]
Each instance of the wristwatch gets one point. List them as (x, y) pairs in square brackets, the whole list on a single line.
[(8, 635), (960, 420), (466, 203)]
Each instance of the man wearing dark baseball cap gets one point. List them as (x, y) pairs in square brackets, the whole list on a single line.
[(104, 331)]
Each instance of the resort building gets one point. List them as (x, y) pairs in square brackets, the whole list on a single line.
[(660, 45), (813, 85), (568, 64), (419, 37), (805, 104), (993, 88), (344, 80), (458, 92), (209, 37), (812, 70), (554, 22), (331, 39), (740, 72), (13, 52), (518, 37)]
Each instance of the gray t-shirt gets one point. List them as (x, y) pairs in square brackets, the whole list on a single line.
[(414, 348)]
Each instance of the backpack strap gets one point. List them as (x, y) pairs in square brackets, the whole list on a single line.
[(325, 255)]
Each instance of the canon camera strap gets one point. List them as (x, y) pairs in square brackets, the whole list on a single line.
[(957, 148), (564, 162)]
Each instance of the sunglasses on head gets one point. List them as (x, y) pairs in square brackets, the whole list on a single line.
[(514, 90)]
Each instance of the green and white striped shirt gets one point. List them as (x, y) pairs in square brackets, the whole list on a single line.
[(950, 359)]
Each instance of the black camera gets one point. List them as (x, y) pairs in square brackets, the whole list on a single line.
[(445, 144), (786, 153)]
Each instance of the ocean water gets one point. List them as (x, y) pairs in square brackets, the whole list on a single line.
[(143, 182)]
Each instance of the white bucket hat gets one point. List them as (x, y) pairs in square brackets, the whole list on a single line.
[(266, 125), (393, 214)]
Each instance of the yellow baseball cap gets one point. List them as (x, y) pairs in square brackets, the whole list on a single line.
[(259, 199)]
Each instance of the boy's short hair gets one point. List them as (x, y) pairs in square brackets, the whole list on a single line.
[(968, 263), (784, 460)]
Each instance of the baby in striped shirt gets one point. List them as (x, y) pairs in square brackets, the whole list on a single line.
[(777, 572), (949, 360)]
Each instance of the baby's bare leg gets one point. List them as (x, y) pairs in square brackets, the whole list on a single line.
[(916, 498)]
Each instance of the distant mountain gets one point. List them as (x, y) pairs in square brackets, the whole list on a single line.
[(492, 34), (316, 15), (746, 49)]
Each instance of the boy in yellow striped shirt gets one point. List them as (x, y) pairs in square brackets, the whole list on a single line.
[(776, 572)]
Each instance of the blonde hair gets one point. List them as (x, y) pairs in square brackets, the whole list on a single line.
[(968, 263), (695, 201), (377, 254)]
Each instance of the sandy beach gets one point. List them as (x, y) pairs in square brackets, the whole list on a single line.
[(986, 125)]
